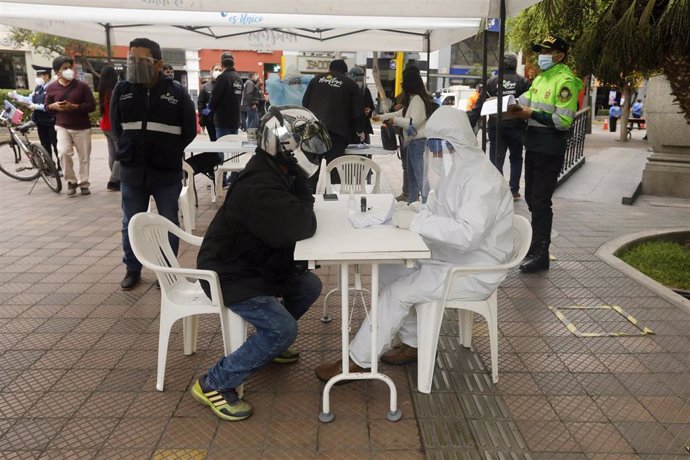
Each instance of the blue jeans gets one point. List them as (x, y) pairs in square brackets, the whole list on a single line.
[(276, 330), (135, 200), (415, 171), (511, 139), (252, 120), (220, 132)]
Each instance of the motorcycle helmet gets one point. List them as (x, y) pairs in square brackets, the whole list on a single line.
[(294, 137)]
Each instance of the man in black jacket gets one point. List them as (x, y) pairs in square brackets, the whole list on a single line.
[(154, 120), (250, 244), (512, 129), (226, 98), (337, 101), (206, 121)]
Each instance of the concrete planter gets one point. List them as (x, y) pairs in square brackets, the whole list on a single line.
[(667, 172)]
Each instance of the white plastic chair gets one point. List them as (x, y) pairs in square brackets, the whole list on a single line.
[(430, 315), (187, 200), (353, 171), (233, 161), (181, 293)]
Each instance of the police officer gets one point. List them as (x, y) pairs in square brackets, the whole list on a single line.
[(45, 121), (512, 130), (549, 108)]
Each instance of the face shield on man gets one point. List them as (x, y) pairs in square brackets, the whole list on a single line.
[(140, 69), (438, 159)]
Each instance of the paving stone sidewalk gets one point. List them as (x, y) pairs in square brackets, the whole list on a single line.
[(77, 355)]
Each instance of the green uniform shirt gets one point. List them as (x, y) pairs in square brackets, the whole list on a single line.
[(553, 98)]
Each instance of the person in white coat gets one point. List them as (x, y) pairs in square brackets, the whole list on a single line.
[(468, 222)]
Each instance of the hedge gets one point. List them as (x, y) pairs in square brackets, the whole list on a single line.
[(4, 95)]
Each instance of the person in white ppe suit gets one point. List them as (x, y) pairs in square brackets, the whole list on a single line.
[(468, 222)]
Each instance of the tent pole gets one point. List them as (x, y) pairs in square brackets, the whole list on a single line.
[(109, 49), (485, 69), (428, 59), (501, 53)]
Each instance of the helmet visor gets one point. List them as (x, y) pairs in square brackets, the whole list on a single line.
[(312, 137)]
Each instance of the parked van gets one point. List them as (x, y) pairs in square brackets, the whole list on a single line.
[(456, 96)]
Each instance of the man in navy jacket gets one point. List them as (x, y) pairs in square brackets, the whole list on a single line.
[(154, 120)]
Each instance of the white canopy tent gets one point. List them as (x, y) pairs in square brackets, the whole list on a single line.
[(297, 25)]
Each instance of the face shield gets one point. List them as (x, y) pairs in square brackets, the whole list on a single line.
[(140, 69), (438, 160)]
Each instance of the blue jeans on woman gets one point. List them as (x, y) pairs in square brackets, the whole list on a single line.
[(276, 330), (415, 171)]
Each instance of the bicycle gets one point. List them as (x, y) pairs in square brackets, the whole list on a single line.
[(22, 159)]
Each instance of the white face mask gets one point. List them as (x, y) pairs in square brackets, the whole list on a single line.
[(68, 74), (39, 81), (216, 73)]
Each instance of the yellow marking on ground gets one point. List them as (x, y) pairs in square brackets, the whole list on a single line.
[(180, 454)]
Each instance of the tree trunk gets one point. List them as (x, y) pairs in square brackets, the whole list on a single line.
[(627, 95), (376, 72)]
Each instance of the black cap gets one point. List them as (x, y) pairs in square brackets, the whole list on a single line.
[(227, 59), (40, 69), (338, 65), (551, 42)]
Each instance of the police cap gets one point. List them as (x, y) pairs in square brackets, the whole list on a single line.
[(551, 42)]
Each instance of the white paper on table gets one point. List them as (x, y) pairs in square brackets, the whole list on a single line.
[(490, 106), (377, 216)]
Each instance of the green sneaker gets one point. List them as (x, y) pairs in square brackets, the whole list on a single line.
[(226, 405), (289, 356)]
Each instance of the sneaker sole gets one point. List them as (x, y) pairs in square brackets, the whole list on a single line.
[(206, 402)]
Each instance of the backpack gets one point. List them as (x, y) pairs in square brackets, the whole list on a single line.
[(388, 137)]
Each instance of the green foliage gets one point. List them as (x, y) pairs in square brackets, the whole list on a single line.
[(616, 40), (664, 261), (4, 95), (49, 45)]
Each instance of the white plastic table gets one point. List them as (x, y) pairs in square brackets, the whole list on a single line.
[(228, 149), (337, 242)]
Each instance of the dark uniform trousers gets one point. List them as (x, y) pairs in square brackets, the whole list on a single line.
[(541, 175), (48, 138)]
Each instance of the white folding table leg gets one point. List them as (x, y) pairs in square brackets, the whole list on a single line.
[(394, 413)]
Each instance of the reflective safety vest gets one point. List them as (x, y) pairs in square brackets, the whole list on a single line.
[(553, 99)]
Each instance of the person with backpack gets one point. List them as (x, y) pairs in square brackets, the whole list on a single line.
[(418, 105)]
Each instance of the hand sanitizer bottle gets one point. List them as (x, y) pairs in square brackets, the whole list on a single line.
[(351, 204)]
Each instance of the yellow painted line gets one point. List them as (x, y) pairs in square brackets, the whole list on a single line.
[(180, 454), (573, 328)]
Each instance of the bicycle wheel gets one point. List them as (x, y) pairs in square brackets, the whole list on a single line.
[(46, 167), (15, 164)]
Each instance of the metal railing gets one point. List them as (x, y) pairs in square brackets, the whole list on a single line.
[(575, 147)]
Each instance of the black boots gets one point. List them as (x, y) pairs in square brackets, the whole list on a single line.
[(537, 259)]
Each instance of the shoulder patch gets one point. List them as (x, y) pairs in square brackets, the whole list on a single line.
[(564, 95)]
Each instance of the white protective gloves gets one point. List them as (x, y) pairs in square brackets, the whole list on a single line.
[(405, 213)]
